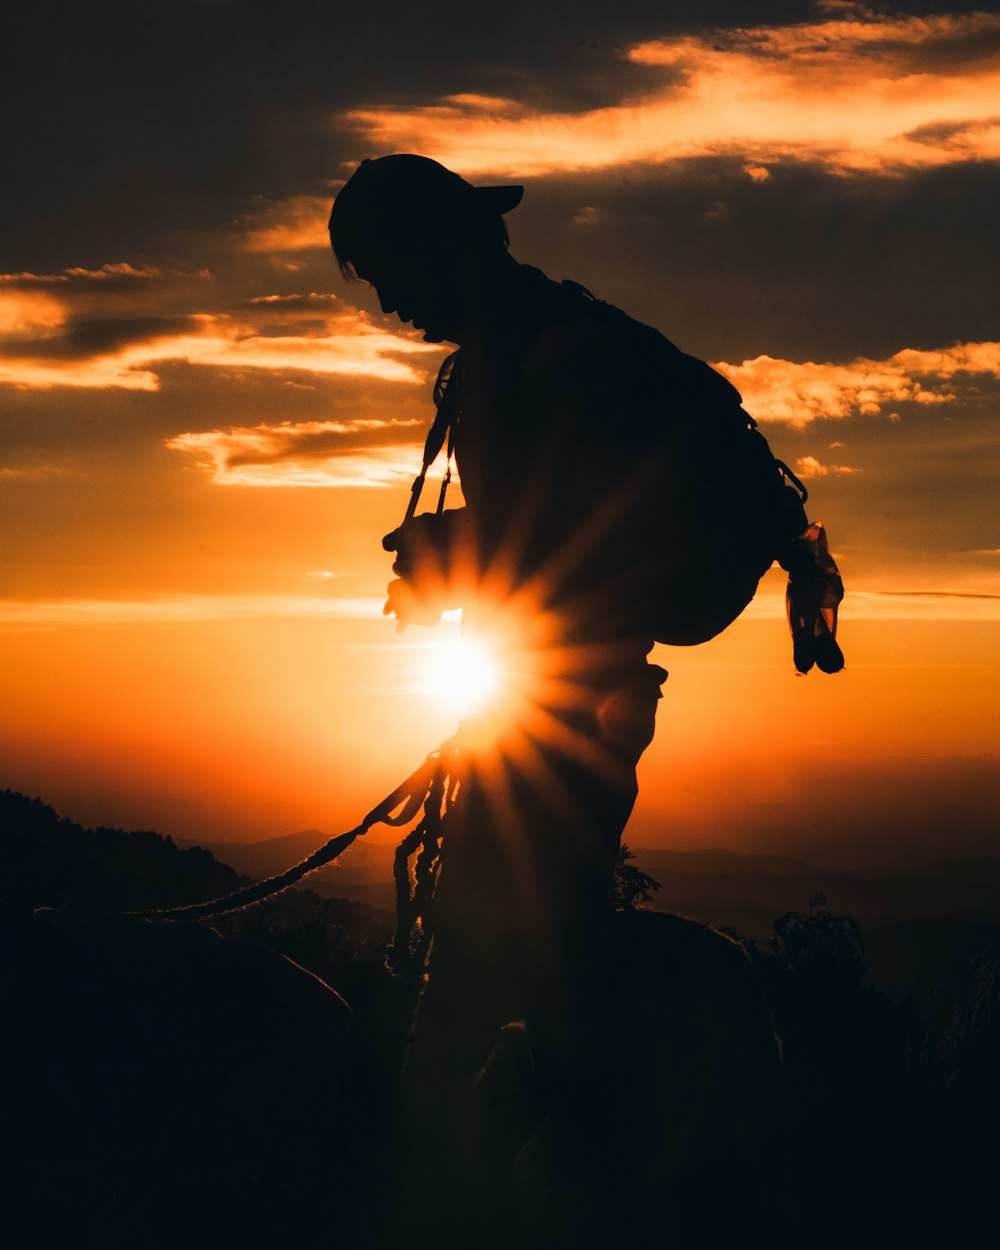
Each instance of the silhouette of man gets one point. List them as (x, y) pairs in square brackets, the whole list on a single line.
[(548, 435), (556, 407)]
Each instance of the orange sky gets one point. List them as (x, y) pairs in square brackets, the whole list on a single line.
[(205, 432)]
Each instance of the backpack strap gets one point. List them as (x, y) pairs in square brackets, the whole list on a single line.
[(444, 425)]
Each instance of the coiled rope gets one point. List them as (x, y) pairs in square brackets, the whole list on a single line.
[(407, 954)]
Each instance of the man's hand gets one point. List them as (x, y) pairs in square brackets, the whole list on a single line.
[(425, 550), (420, 547), (408, 608), (418, 562), (428, 550)]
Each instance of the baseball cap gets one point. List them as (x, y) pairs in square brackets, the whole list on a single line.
[(406, 181)]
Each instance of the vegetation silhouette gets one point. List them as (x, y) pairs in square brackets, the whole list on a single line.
[(885, 1148), (630, 885), (164, 1085)]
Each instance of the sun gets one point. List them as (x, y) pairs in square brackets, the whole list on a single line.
[(460, 674)]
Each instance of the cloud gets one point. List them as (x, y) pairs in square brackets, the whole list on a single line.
[(809, 466), (132, 285), (364, 453), (26, 313), (294, 224), (783, 390), (588, 216), (30, 473), (114, 271), (313, 302), (888, 605), (852, 93), (104, 353), (25, 278), (52, 315), (117, 273), (16, 614), (933, 605)]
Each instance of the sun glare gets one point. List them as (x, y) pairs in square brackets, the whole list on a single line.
[(461, 675)]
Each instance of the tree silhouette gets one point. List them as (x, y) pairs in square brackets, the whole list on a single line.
[(819, 942), (630, 886)]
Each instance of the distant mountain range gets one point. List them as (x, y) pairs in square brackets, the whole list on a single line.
[(362, 874), (923, 928), (718, 887), (746, 892)]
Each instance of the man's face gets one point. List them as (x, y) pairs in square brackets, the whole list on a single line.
[(414, 283)]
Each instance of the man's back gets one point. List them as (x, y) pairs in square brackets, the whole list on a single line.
[(604, 468)]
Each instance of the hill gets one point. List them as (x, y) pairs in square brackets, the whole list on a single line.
[(47, 859)]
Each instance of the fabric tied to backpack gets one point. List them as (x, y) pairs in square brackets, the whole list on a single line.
[(815, 589)]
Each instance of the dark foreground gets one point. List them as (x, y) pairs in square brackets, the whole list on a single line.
[(171, 1085)]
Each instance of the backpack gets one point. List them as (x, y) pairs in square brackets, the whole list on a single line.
[(699, 549)]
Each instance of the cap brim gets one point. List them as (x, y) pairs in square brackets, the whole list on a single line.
[(500, 199)]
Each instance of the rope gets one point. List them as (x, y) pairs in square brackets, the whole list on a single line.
[(407, 953), (397, 808)]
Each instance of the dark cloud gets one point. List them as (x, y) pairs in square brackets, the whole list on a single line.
[(956, 48), (133, 122), (83, 338), (203, 114), (800, 264)]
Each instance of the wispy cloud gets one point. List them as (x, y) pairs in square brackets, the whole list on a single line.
[(30, 473), (44, 348), (797, 393), (314, 302), (112, 273), (119, 272), (364, 453), (17, 614), (28, 313), (809, 466), (376, 453), (887, 605), (116, 287), (931, 605), (855, 92), (295, 224)]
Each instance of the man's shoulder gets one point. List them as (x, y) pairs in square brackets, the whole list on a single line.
[(573, 337), (574, 344)]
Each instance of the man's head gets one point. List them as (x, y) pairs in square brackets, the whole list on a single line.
[(412, 229)]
